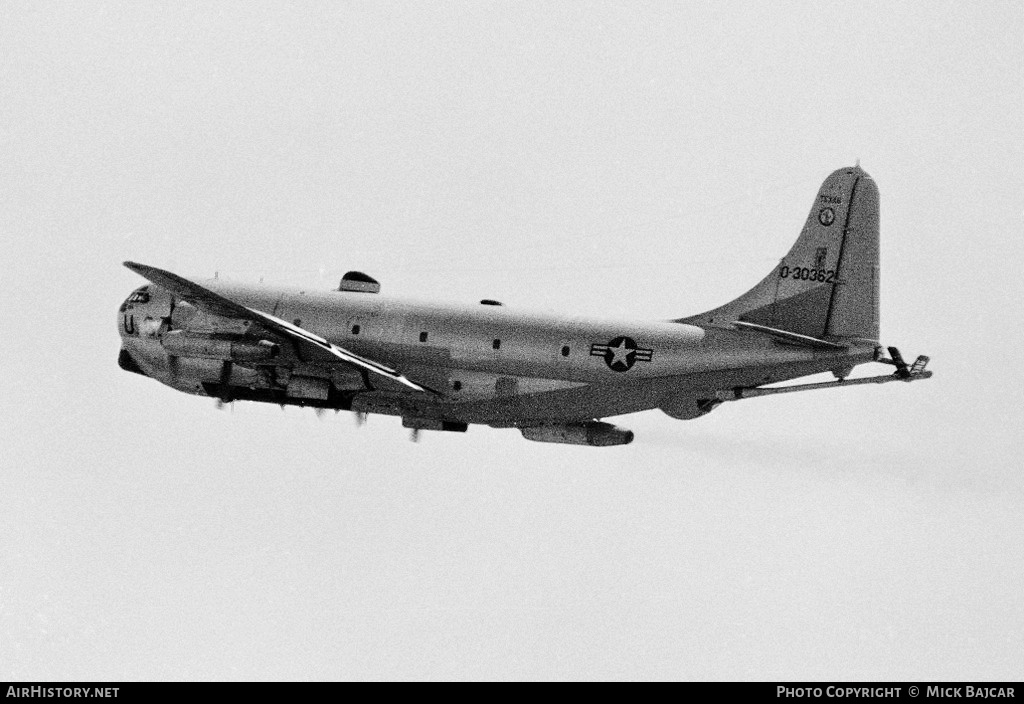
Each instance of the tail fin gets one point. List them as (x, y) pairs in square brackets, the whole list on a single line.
[(826, 287)]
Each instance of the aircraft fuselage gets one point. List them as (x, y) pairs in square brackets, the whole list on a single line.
[(443, 366), (489, 363)]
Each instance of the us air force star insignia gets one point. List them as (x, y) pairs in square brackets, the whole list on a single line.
[(826, 216), (621, 353)]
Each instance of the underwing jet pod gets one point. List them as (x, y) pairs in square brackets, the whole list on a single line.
[(443, 367)]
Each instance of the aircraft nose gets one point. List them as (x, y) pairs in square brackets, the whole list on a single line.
[(122, 315), (124, 319), (126, 314), (128, 363), (127, 328)]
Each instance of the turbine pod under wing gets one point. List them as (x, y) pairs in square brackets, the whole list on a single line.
[(205, 299)]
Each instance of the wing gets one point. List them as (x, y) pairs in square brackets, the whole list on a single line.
[(207, 300)]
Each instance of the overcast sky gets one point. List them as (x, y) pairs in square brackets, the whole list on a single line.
[(649, 160)]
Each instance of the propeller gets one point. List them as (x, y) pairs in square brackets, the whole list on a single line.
[(414, 435), (225, 386), (360, 418)]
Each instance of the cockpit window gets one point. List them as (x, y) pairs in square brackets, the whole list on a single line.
[(140, 296)]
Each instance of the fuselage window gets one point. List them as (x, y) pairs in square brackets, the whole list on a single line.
[(496, 344), (297, 322), (355, 329), (423, 337), (565, 351), (457, 385)]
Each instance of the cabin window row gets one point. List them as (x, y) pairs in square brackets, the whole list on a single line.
[(424, 336)]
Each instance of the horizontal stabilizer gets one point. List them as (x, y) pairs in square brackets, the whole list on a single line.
[(214, 303), (791, 337)]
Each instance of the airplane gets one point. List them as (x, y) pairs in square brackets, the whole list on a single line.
[(554, 378)]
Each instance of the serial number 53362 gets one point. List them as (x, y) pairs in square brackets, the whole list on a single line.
[(804, 274)]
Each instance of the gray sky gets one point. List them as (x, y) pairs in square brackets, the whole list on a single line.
[(639, 159)]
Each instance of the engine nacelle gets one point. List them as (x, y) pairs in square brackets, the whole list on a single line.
[(182, 344), (595, 434)]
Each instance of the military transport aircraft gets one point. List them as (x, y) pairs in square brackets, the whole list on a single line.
[(443, 367)]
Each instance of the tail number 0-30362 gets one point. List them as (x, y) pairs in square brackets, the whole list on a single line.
[(804, 274)]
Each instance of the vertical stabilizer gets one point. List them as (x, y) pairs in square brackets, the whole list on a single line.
[(827, 285)]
